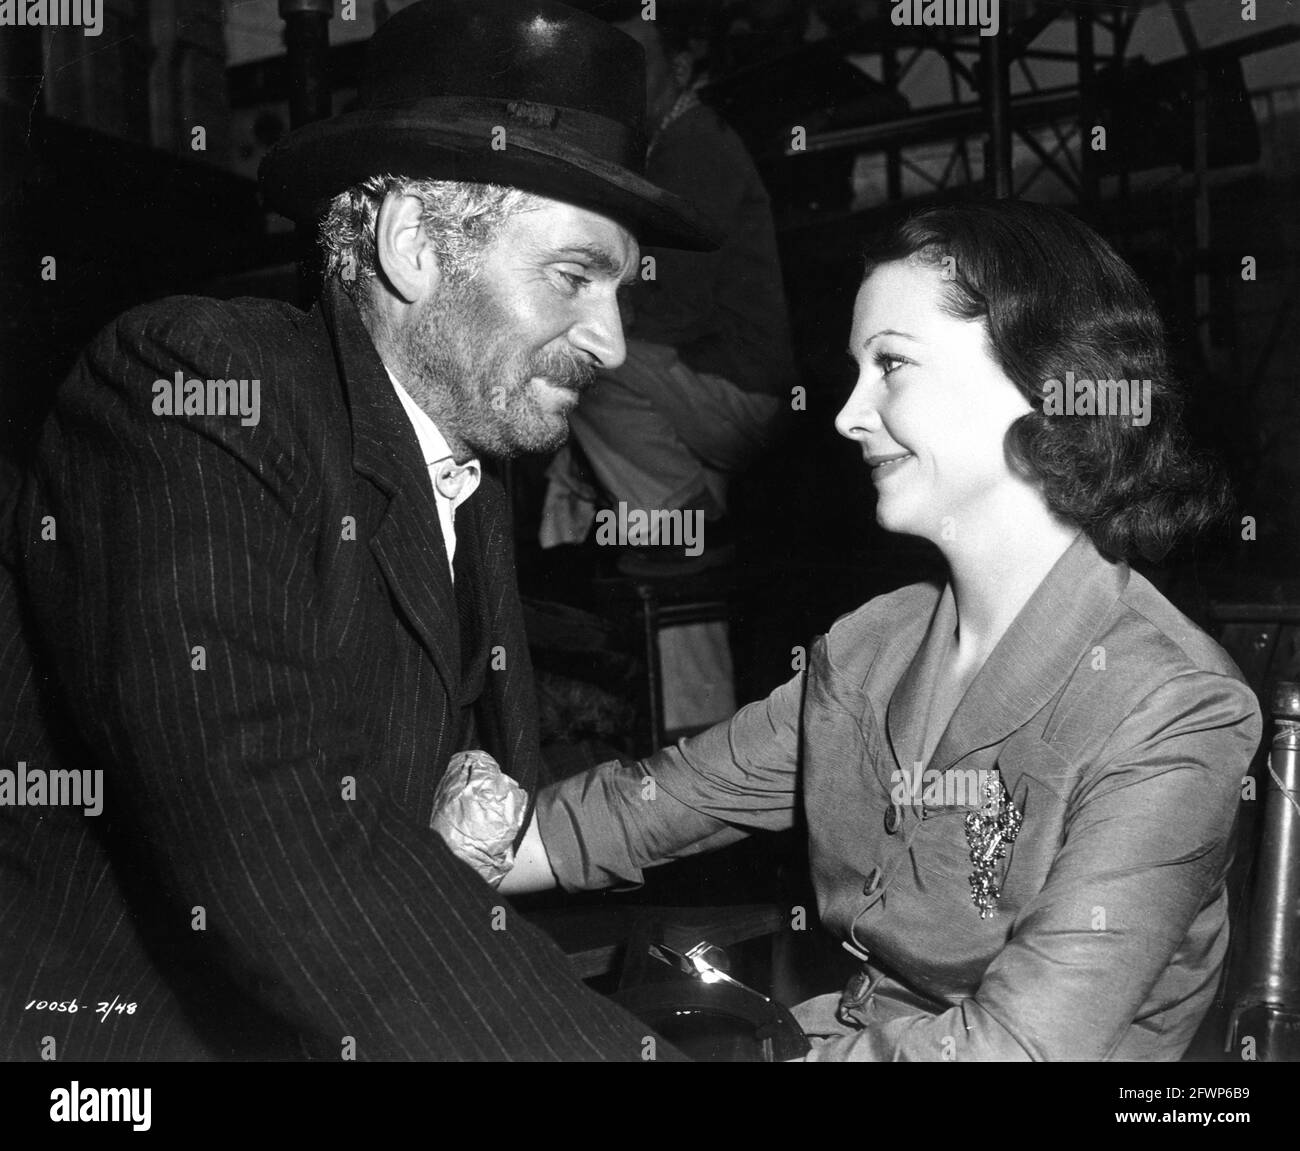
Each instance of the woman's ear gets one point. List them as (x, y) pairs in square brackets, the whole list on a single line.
[(407, 262)]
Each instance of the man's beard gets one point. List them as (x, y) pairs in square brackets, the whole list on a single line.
[(468, 373)]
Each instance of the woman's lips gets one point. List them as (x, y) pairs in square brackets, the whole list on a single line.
[(885, 463)]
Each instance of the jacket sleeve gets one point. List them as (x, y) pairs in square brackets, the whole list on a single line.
[(1146, 844), (338, 916), (605, 826)]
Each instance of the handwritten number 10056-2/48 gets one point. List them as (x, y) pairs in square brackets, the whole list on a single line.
[(71, 1006)]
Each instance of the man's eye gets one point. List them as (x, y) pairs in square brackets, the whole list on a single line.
[(575, 280)]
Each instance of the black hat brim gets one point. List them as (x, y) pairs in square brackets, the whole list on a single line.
[(310, 166)]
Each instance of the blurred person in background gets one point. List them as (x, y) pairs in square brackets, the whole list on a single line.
[(709, 365)]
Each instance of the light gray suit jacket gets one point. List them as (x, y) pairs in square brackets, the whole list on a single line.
[(1121, 733)]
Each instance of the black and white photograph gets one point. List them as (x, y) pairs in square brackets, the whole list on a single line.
[(732, 531)]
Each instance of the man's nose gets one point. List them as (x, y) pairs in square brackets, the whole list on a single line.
[(599, 333), (860, 414)]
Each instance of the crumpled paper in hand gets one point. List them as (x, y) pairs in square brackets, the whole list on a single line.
[(478, 811)]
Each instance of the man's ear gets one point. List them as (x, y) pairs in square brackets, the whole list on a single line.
[(683, 69), (406, 258)]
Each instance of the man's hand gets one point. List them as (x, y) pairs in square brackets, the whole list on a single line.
[(477, 811)]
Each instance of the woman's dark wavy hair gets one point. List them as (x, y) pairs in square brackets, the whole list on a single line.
[(1054, 298)]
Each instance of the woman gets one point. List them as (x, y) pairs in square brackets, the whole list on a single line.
[(1019, 788)]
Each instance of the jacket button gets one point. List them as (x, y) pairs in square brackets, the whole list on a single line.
[(892, 818), (873, 882)]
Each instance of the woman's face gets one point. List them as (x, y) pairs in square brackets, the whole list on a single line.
[(930, 409)]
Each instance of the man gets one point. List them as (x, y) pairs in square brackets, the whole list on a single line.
[(261, 592), (709, 365)]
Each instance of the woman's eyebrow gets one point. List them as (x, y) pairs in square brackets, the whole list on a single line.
[(883, 332), (887, 332)]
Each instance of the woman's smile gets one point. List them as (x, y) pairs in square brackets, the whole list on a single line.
[(929, 394), (887, 463)]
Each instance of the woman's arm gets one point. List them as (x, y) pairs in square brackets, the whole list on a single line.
[(532, 869), (602, 828)]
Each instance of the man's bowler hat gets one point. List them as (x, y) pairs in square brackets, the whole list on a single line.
[(527, 93)]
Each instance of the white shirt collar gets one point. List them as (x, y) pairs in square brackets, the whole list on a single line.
[(433, 444), (434, 447)]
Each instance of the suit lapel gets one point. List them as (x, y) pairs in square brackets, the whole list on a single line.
[(508, 704), (908, 709), (471, 600), (407, 543), (1038, 653)]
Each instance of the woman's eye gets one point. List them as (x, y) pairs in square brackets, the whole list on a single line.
[(887, 363)]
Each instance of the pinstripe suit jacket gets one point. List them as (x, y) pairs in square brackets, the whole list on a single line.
[(262, 882)]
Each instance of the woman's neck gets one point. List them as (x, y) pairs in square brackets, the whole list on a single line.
[(995, 567)]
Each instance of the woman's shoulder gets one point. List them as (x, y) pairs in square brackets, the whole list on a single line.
[(882, 624), (1151, 673), (1149, 619), (888, 609)]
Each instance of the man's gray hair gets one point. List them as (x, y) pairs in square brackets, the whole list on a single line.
[(460, 220)]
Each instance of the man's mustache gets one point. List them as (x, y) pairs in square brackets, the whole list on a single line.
[(565, 371)]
